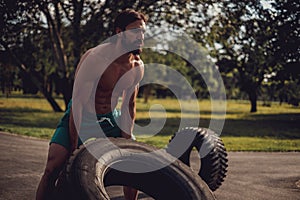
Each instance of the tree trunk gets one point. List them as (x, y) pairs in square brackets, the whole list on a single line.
[(146, 93), (253, 99), (34, 79), (66, 90), (58, 52), (76, 35), (52, 102)]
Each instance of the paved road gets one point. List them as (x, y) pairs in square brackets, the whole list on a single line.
[(251, 176)]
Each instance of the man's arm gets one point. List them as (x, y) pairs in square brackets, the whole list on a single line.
[(128, 111), (73, 134), (85, 82)]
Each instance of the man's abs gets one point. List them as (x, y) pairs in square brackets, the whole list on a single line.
[(105, 102)]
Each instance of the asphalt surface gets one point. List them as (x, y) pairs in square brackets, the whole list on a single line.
[(251, 175)]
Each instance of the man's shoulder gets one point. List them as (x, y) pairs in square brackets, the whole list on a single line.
[(95, 56), (102, 50)]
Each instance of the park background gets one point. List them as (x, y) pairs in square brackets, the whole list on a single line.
[(254, 45)]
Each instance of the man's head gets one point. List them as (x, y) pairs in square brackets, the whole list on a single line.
[(133, 24)]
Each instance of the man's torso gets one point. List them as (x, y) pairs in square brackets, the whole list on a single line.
[(107, 94)]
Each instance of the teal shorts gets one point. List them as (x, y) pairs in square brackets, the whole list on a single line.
[(107, 122)]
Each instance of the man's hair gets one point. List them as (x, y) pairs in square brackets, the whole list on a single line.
[(127, 17)]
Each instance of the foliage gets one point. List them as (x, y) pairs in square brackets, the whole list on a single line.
[(57, 32), (286, 42), (252, 41)]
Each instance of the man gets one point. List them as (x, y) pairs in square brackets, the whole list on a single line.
[(129, 26)]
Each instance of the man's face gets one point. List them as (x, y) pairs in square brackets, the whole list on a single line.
[(133, 37)]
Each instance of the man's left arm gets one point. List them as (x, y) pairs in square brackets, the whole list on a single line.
[(128, 111)]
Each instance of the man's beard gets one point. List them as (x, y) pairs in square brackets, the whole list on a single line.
[(135, 51)]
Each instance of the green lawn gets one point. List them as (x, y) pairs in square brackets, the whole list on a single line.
[(274, 128)]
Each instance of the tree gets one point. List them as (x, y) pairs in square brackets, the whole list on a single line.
[(70, 27), (246, 38), (18, 39), (7, 75), (286, 42)]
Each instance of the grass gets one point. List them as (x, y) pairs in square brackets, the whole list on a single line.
[(241, 143), (28, 116), (274, 128)]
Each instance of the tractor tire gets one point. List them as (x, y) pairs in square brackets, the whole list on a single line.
[(87, 174), (212, 153)]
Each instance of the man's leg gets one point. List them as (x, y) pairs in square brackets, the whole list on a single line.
[(57, 157), (111, 129), (130, 193)]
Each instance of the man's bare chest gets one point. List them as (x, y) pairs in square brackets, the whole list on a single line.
[(120, 77)]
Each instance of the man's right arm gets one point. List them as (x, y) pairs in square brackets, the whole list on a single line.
[(78, 102), (73, 134), (89, 70)]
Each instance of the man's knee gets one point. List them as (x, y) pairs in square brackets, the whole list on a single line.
[(56, 159), (51, 172)]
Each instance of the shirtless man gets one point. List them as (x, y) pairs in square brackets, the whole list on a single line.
[(129, 26)]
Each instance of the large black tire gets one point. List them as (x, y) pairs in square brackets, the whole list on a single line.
[(87, 175), (212, 153)]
